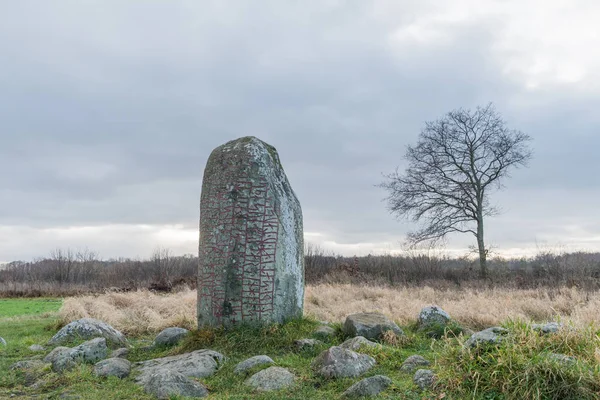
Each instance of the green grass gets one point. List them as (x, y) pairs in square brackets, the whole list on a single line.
[(15, 307), (519, 368)]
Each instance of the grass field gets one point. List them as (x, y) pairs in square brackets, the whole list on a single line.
[(14, 307), (520, 368)]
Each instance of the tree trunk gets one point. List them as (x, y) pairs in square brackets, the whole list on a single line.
[(483, 271)]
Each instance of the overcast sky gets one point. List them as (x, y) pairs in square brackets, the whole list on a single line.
[(110, 108)]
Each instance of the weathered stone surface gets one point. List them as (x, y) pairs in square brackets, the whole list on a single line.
[(251, 257), (252, 362), (338, 362), (489, 336), (368, 387), (432, 315), (118, 367), (357, 342), (165, 384), (424, 378), (56, 353), (37, 347), (370, 325), (272, 378), (170, 336), (413, 362), (120, 353), (549, 327), (88, 328), (198, 364), (324, 332), (27, 364), (91, 351), (305, 344)]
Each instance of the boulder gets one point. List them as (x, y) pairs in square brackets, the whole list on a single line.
[(424, 378), (324, 332), (170, 336), (412, 363), (251, 253), (357, 342), (252, 362), (88, 328), (549, 327), (432, 315), (123, 352), (370, 325), (197, 364), (166, 384), (272, 378), (306, 344), (118, 367), (37, 347), (56, 353), (489, 336), (368, 387), (91, 351), (337, 362)]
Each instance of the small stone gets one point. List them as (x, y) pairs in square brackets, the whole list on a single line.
[(63, 363), (357, 342), (2, 341), (549, 327), (489, 336), (413, 362), (368, 387), (252, 362), (197, 364), (370, 325), (26, 364), (424, 378), (324, 332), (306, 344), (120, 353), (118, 367), (88, 328), (170, 336), (432, 315), (562, 359), (337, 362), (91, 351), (37, 347), (166, 383), (272, 378)]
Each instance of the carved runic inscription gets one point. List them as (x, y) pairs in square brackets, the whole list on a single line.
[(237, 269)]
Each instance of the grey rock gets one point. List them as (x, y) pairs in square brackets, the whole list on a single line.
[(432, 315), (197, 364), (252, 362), (370, 325), (120, 353), (63, 364), (562, 359), (88, 328), (37, 347), (2, 341), (324, 332), (306, 344), (549, 327), (489, 336), (27, 364), (56, 353), (272, 378), (368, 387), (165, 384), (246, 177), (357, 342), (170, 336), (424, 378), (118, 367), (91, 351), (337, 362), (414, 362)]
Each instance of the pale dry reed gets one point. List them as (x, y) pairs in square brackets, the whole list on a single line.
[(143, 311)]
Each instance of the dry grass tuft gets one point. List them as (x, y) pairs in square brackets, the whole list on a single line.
[(144, 311)]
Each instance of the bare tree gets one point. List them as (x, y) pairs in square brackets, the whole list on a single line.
[(451, 171)]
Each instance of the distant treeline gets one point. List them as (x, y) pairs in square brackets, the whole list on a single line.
[(67, 272)]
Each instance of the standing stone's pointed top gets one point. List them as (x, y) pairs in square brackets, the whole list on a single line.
[(251, 260)]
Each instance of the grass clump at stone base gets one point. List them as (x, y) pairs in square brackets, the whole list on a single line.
[(525, 365)]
